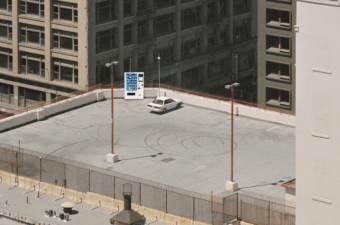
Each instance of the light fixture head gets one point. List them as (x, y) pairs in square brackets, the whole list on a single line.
[(108, 64)]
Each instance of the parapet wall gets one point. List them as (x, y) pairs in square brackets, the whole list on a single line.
[(98, 95)]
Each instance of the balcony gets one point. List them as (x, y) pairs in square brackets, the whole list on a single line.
[(6, 98)]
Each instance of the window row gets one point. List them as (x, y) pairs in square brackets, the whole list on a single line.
[(33, 64), (36, 35), (62, 11)]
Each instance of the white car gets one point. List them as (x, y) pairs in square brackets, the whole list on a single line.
[(162, 104)]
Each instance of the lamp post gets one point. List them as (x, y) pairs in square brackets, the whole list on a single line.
[(232, 185), (111, 157), (159, 75)]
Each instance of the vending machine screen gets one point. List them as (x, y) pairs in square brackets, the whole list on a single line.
[(131, 82)]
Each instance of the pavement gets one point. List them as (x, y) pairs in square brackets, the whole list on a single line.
[(187, 147), (17, 203)]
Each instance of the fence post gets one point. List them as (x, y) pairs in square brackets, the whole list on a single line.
[(166, 200), (237, 206), (89, 180), (241, 209), (140, 194), (40, 169), (269, 213), (212, 222), (193, 211), (114, 187)]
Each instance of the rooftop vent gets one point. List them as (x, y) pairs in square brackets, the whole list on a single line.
[(127, 216)]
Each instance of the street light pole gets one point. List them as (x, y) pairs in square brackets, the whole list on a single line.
[(159, 75), (112, 158), (232, 185), (232, 134)]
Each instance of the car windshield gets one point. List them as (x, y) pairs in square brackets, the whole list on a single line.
[(157, 101)]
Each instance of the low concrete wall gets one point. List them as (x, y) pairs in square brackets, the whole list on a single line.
[(18, 120), (99, 95), (241, 110)]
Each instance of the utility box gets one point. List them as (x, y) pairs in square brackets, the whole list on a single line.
[(134, 85)]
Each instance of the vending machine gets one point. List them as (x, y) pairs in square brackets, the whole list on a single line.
[(134, 85)]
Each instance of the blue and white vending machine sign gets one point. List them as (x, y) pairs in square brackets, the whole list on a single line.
[(134, 85)]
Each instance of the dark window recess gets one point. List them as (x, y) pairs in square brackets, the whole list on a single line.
[(190, 77), (142, 29), (127, 34), (278, 18), (166, 54), (191, 48), (6, 29), (278, 45), (65, 11), (277, 97), (277, 71), (163, 24), (141, 62), (142, 5), (6, 59), (105, 40), (212, 10), (127, 8), (105, 11), (240, 6), (32, 7), (223, 8), (163, 3), (190, 17)]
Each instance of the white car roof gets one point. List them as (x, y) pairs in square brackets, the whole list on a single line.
[(163, 98)]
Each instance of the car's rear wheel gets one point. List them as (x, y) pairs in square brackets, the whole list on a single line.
[(178, 105), (164, 110)]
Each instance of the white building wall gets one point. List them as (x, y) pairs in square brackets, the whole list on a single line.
[(318, 112)]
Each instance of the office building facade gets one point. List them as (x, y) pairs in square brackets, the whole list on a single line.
[(51, 47), (276, 53), (317, 108)]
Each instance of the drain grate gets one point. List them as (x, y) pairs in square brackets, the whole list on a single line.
[(167, 160)]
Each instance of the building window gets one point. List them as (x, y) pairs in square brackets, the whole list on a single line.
[(190, 17), (6, 5), (277, 97), (240, 6), (128, 34), (166, 54), (163, 3), (277, 71), (278, 18), (6, 29), (30, 97), (6, 93), (65, 70), (278, 45), (6, 59), (163, 24), (65, 40), (212, 10), (64, 11), (191, 48), (32, 7), (127, 8), (190, 77), (105, 40), (223, 8), (32, 64), (142, 62), (142, 29), (241, 30), (105, 11), (142, 5), (32, 34)]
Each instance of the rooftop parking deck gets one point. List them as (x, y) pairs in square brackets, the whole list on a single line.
[(187, 147)]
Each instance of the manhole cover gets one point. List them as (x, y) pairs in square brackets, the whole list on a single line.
[(167, 160)]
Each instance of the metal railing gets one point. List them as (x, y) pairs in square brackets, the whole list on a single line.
[(210, 209)]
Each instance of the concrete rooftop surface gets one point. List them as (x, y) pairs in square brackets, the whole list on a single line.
[(187, 148), (17, 203)]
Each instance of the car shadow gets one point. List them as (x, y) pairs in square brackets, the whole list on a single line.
[(170, 110)]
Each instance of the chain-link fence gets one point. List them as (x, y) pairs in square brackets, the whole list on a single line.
[(211, 209)]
